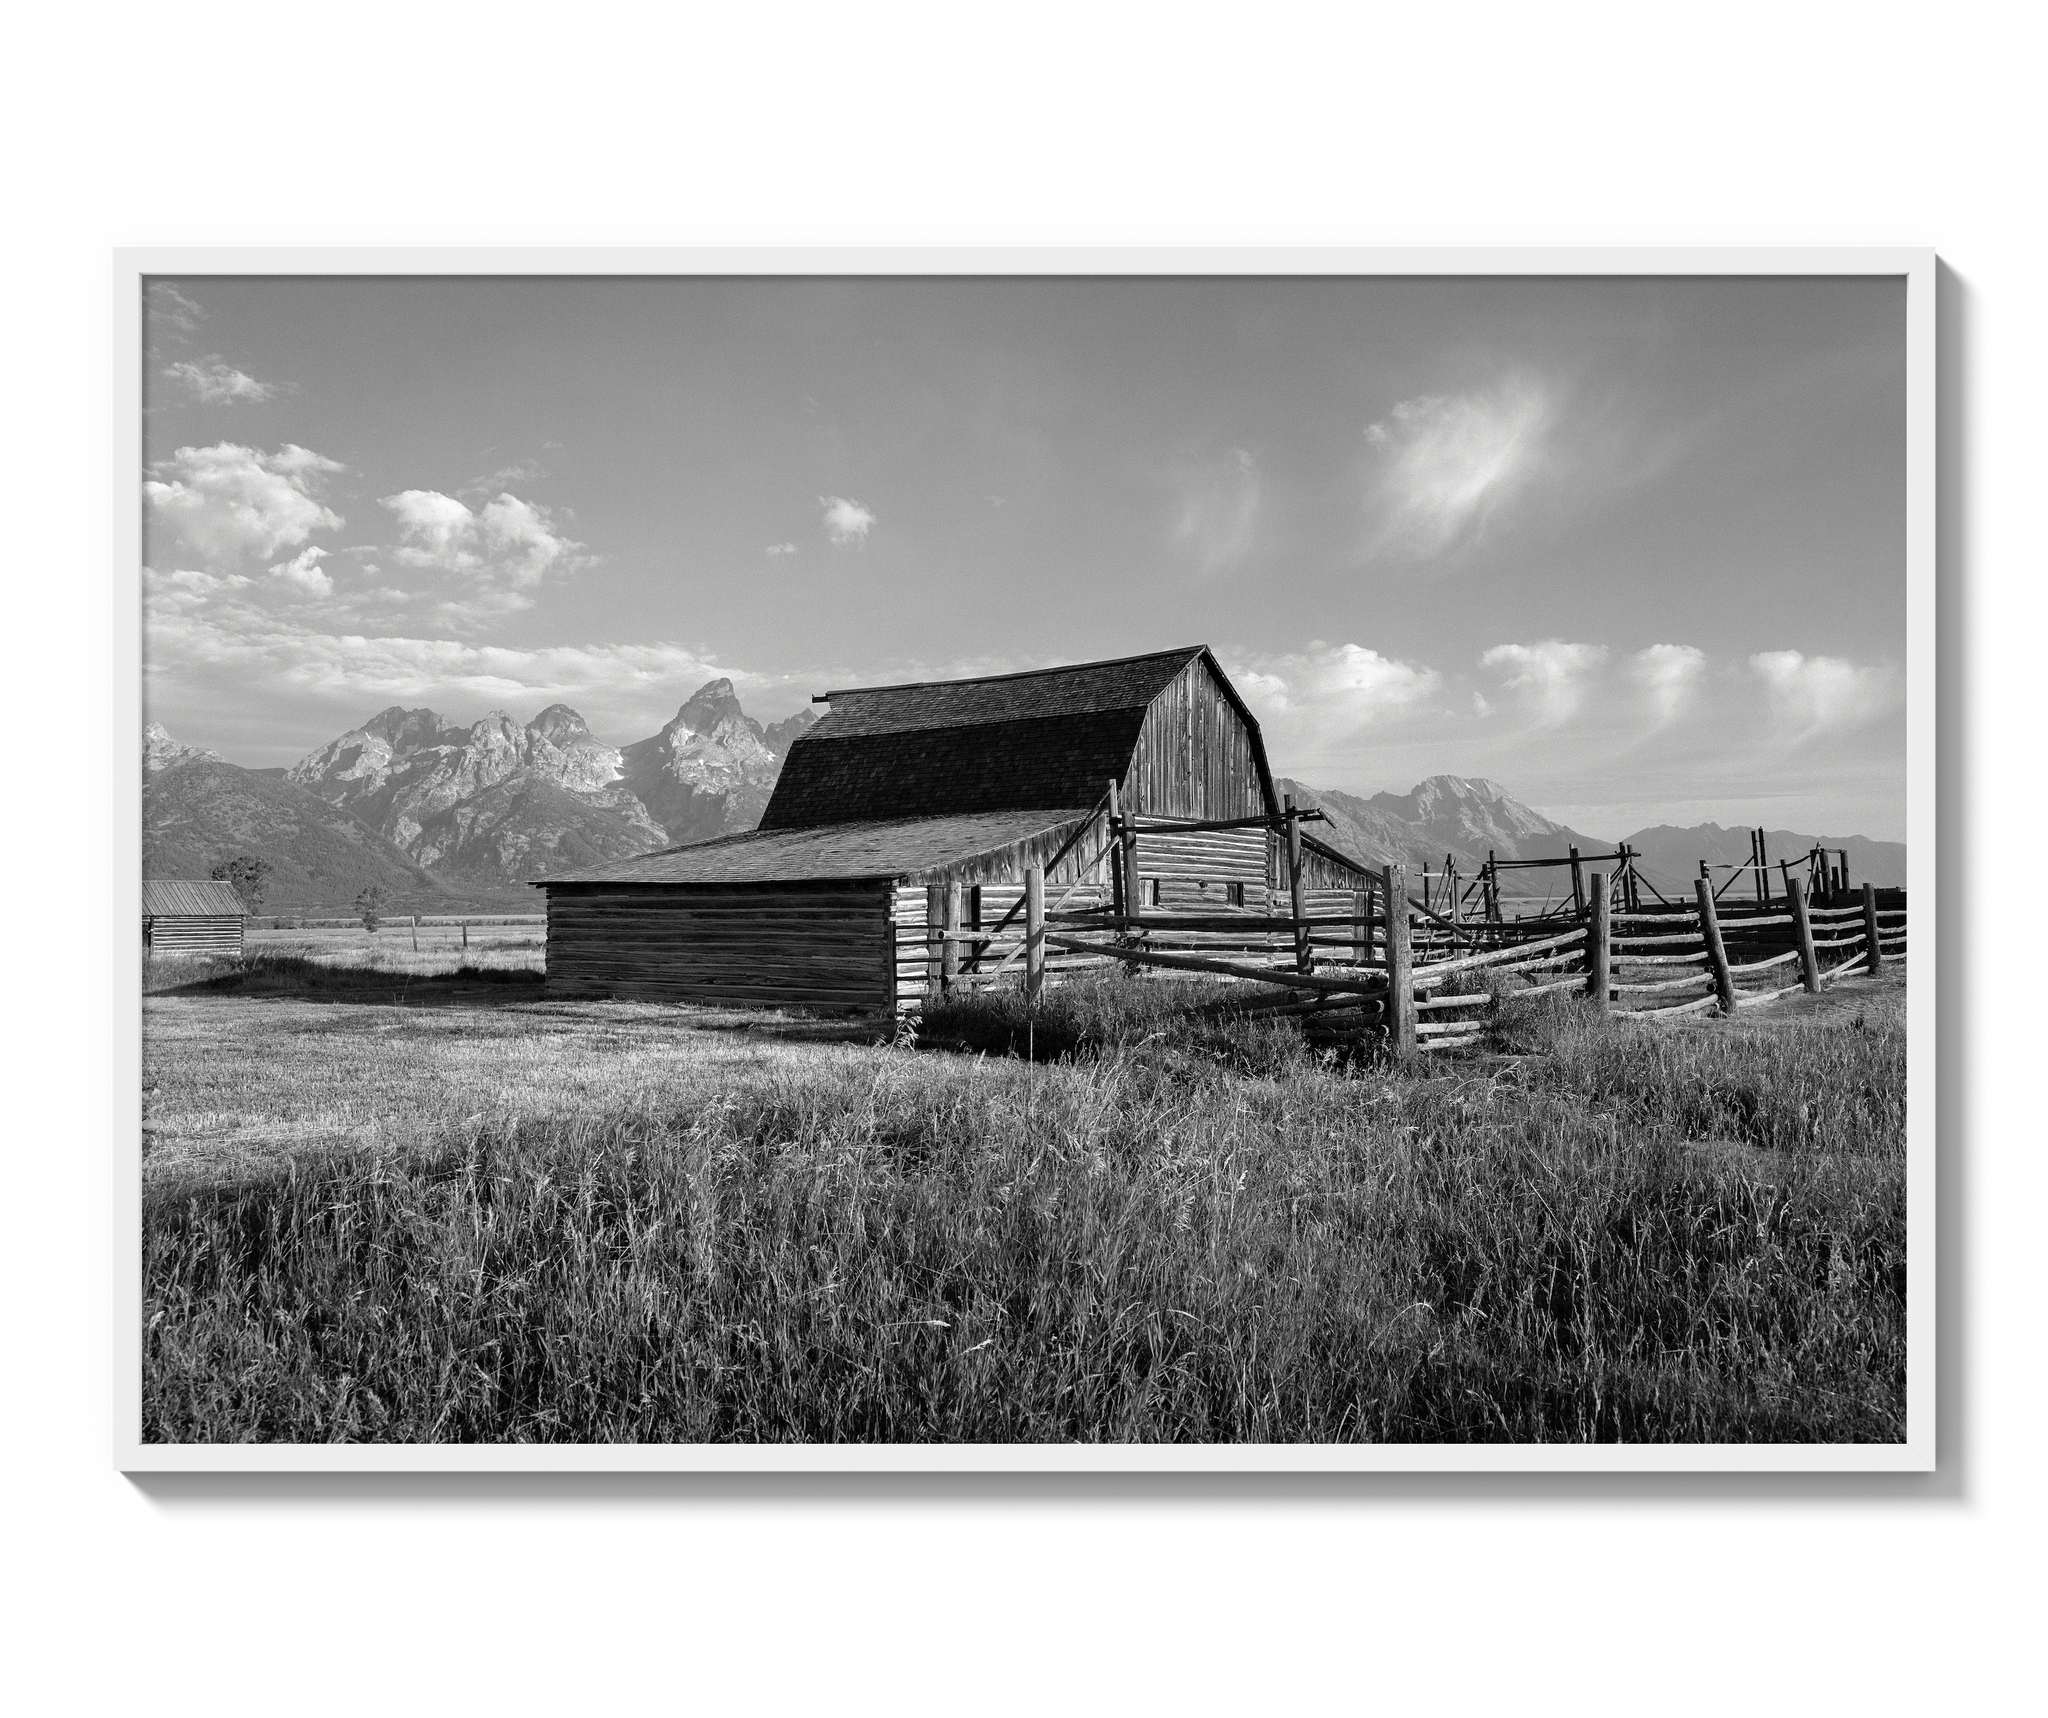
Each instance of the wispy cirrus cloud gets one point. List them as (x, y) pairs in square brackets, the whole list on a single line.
[(171, 312), (1814, 695), (516, 475), (1444, 463), (1552, 678), (1217, 510), (847, 522), (777, 551), (221, 505), (1670, 676), (215, 382)]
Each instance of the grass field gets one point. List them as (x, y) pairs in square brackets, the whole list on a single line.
[(391, 1200)]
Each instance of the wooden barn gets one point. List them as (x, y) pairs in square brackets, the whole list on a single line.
[(906, 806), (192, 918)]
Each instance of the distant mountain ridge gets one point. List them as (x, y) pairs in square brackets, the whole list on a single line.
[(480, 809), (432, 810), (1676, 853), (1470, 817), (1467, 818)]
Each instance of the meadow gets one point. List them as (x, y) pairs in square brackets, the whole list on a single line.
[(393, 1197)]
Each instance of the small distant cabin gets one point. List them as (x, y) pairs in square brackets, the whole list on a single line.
[(192, 918), (901, 794)]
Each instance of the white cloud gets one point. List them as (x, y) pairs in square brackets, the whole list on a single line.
[(220, 504), (847, 522), (1219, 510), (1446, 462), (495, 556), (777, 550), (1670, 676), (303, 573), (1552, 676), (1816, 694), (1327, 691), (218, 383), (207, 632)]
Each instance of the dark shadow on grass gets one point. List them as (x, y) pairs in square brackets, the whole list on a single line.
[(297, 978), (294, 978)]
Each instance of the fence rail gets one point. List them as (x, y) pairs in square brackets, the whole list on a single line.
[(1391, 969)]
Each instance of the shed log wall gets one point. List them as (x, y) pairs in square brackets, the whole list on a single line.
[(798, 945), (183, 935)]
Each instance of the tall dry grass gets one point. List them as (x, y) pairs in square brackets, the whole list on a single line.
[(1642, 1233)]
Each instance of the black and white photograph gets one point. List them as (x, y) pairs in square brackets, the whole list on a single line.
[(1243, 861)]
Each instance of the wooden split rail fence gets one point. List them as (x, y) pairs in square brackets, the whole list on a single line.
[(1416, 977)]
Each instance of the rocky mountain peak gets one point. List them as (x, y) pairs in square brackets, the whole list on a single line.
[(780, 736), (161, 752), (406, 730), (560, 726), (712, 706)]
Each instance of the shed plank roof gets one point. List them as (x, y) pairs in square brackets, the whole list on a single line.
[(202, 899), (840, 852)]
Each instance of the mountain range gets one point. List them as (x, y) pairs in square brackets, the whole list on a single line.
[(1468, 818), (445, 817)]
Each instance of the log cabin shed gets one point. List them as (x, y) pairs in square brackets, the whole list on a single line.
[(901, 793), (192, 917)]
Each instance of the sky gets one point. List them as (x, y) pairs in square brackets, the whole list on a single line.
[(1633, 548)]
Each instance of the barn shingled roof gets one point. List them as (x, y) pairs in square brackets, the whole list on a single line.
[(163, 899), (1046, 738), (840, 852)]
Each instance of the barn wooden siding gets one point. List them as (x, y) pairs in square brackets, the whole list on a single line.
[(1195, 755), (797, 945), (192, 934)]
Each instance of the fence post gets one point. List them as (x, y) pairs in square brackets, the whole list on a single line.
[(1119, 894), (1578, 888), (1802, 928), (1870, 941), (1361, 926), (1294, 886), (1597, 947), (1717, 950), (934, 929), (1034, 932), (949, 946), (1400, 964)]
